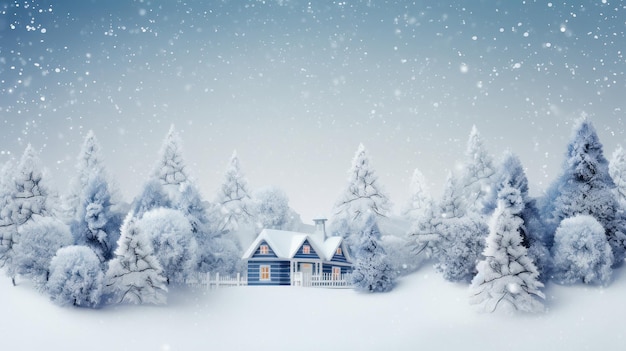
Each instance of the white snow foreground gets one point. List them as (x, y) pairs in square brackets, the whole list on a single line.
[(422, 312)]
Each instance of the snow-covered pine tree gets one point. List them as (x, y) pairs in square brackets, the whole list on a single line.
[(581, 252), (135, 274), (586, 188), (363, 195), (617, 170), (372, 271), (88, 163), (233, 197), (171, 169), (507, 278), (27, 196), (453, 238), (152, 196), (76, 277), (511, 173), (92, 202), (477, 174), (421, 202)]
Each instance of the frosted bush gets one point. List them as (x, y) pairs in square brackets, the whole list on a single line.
[(75, 277), (581, 252)]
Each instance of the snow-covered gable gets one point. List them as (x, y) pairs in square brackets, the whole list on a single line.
[(285, 244)]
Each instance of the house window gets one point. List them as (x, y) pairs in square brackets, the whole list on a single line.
[(264, 249), (306, 249), (338, 252), (336, 273), (265, 273)]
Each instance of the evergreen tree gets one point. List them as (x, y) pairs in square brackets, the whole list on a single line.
[(75, 277), (617, 170), (477, 174), (362, 196), (88, 163), (234, 198), (421, 202), (581, 252), (170, 170), (152, 196), (372, 270), (586, 188), (93, 204), (453, 238), (26, 197), (507, 277), (511, 174), (135, 275)]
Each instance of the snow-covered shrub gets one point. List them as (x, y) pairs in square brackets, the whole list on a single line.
[(39, 239), (581, 252), (75, 277), (372, 271), (271, 206), (461, 244), (172, 241)]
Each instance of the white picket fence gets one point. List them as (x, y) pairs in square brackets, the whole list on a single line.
[(214, 281), (326, 280)]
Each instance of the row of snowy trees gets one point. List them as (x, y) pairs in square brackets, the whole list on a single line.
[(487, 230), (88, 247)]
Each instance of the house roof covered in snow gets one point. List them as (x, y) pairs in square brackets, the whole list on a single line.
[(285, 244)]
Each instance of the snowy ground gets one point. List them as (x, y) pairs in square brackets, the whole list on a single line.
[(424, 312)]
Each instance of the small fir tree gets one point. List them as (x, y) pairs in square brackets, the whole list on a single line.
[(507, 278), (233, 197), (135, 275), (477, 174), (363, 195), (372, 270)]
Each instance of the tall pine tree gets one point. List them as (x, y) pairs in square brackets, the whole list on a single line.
[(586, 188), (93, 204), (477, 174)]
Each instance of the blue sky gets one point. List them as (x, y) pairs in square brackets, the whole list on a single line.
[(295, 87)]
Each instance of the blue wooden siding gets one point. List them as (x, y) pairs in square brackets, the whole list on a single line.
[(327, 268), (270, 253), (340, 258), (279, 273), (301, 254)]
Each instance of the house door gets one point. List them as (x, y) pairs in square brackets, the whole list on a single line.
[(307, 272)]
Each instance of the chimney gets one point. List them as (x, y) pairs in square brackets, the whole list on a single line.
[(320, 228)]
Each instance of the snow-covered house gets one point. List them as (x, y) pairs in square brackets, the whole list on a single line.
[(275, 257)]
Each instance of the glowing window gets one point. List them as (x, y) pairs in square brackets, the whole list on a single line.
[(265, 272), (264, 249), (336, 273), (306, 249), (338, 252)]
